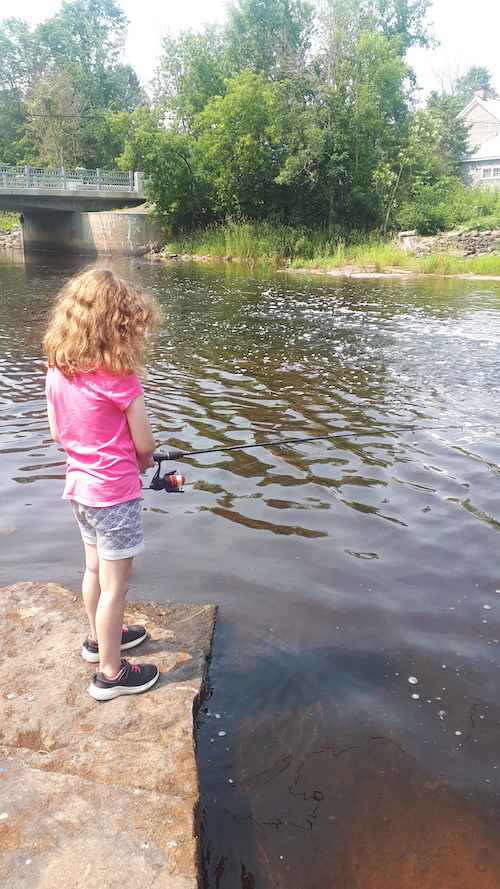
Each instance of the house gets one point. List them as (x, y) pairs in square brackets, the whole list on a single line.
[(481, 165)]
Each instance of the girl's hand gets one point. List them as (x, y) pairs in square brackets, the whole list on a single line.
[(145, 464)]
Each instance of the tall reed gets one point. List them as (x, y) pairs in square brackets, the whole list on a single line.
[(301, 248)]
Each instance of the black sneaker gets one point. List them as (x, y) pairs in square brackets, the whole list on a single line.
[(131, 636), (131, 680)]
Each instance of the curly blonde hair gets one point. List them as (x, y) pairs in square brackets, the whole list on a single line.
[(100, 321)]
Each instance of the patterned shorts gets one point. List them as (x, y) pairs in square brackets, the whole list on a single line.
[(115, 530)]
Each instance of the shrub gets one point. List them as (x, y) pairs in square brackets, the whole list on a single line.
[(448, 204)]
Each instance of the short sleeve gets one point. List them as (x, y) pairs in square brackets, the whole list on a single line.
[(125, 389), (48, 384)]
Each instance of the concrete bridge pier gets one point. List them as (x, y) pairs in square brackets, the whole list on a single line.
[(121, 233), (57, 231)]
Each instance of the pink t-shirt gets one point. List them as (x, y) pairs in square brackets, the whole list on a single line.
[(89, 410)]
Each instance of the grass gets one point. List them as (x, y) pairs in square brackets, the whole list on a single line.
[(8, 221), (375, 256), (250, 241), (449, 264), (304, 249)]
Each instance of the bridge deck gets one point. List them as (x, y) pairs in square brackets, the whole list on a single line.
[(37, 189)]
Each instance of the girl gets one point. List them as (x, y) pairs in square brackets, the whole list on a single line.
[(96, 336)]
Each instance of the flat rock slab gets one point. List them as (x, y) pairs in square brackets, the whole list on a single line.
[(97, 793)]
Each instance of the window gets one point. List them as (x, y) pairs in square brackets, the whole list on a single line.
[(496, 172), (486, 172)]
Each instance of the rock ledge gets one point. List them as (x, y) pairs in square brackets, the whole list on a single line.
[(102, 794)]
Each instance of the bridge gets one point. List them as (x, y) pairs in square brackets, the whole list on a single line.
[(24, 189), (64, 210)]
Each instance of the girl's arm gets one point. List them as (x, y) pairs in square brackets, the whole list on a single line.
[(52, 423), (141, 433)]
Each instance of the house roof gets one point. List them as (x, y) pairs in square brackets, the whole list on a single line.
[(491, 106), (488, 151)]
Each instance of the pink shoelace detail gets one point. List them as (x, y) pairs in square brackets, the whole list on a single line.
[(124, 629), (135, 668)]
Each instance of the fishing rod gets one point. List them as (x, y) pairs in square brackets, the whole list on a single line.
[(173, 481)]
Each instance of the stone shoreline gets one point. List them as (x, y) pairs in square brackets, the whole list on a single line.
[(464, 244), (10, 239), (101, 794)]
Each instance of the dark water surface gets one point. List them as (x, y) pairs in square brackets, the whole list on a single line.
[(352, 738)]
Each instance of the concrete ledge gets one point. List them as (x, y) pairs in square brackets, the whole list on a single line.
[(97, 793)]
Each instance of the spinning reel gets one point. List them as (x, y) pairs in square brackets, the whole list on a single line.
[(172, 482)]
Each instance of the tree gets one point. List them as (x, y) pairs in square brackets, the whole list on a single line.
[(346, 139), (190, 74), (381, 127), (165, 157), (451, 142), (475, 78), (18, 54), (88, 35), (52, 126), (400, 21), (268, 36), (405, 21), (17, 72), (60, 83), (236, 149)]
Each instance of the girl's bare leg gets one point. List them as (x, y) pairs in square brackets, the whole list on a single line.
[(91, 588), (114, 579)]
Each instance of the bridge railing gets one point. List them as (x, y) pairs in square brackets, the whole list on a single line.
[(64, 177)]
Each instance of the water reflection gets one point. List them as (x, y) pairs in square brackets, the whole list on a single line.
[(342, 567)]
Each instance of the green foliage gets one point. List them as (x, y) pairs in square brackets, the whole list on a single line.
[(164, 156), (60, 83), (475, 78), (330, 141), (448, 204), (451, 132), (236, 149), (86, 35), (268, 37), (190, 74), (8, 221), (17, 52), (405, 21)]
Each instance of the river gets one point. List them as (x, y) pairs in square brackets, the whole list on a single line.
[(352, 734)]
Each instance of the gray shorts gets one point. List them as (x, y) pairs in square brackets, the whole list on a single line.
[(115, 530)]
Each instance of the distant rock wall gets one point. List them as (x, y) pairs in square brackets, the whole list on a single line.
[(464, 243), (10, 239)]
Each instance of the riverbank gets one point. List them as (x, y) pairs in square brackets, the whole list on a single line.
[(462, 254), (457, 253), (435, 265), (99, 792)]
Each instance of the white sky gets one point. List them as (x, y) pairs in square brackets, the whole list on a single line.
[(468, 35)]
